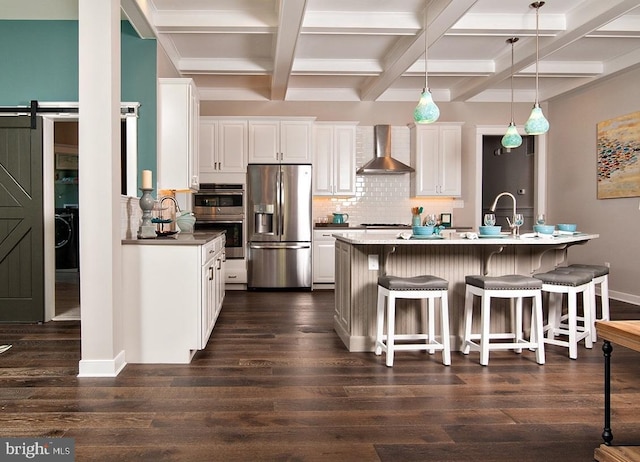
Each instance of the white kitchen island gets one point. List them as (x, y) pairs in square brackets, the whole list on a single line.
[(451, 258), (173, 291)]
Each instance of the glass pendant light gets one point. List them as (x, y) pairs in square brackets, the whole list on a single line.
[(537, 124), (512, 138), (426, 112)]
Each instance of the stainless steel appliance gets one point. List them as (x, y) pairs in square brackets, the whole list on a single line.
[(279, 226), (221, 207)]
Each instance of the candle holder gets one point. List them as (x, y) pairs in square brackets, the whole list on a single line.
[(147, 229)]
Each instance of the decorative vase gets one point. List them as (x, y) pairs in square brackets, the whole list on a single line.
[(186, 222)]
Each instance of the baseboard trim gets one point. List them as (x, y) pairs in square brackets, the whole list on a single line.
[(622, 296), (102, 367)]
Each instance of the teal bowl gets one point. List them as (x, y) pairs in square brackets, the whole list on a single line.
[(571, 227), (423, 230), (544, 229), (490, 230)]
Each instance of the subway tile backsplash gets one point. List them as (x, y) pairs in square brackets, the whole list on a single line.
[(380, 198)]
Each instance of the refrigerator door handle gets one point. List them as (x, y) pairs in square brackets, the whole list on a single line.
[(281, 193), (280, 247)]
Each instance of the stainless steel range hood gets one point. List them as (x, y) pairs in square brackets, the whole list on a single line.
[(383, 163)]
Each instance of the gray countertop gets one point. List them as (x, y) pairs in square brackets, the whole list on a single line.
[(197, 238)]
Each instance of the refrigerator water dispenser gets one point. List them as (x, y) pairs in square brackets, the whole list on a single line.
[(263, 218)]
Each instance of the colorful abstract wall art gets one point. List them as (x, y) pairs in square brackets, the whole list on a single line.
[(619, 157)]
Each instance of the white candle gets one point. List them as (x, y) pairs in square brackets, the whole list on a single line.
[(146, 179)]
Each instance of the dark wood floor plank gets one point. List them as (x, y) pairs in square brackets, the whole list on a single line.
[(276, 383)]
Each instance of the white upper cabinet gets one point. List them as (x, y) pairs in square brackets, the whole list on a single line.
[(275, 141), (223, 145), (436, 156), (334, 159), (178, 116)]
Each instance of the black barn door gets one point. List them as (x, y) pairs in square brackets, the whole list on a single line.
[(21, 221)]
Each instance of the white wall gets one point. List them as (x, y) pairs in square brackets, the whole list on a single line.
[(572, 181)]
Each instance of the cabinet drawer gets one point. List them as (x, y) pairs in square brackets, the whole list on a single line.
[(211, 248)]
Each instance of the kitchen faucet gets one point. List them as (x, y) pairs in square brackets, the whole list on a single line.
[(175, 202), (514, 228)]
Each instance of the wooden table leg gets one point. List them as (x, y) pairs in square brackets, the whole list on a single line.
[(607, 435)]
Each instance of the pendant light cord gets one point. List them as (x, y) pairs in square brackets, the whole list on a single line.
[(512, 41), (537, 51), (426, 47), (537, 6)]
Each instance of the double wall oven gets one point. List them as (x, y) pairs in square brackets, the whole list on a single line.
[(221, 207)]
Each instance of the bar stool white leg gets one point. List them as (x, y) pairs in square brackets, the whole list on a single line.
[(536, 327), (380, 322), (468, 314), (485, 321), (431, 329), (517, 330), (391, 326), (444, 312)]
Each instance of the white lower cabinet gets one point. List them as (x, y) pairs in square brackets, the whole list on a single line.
[(173, 295), (235, 271), (324, 261), (323, 257)]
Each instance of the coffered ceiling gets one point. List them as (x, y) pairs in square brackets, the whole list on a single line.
[(374, 50)]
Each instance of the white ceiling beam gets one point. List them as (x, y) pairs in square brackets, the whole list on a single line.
[(442, 15), (336, 67), (225, 66), (216, 21), (359, 22), (290, 24), (589, 17), (137, 19)]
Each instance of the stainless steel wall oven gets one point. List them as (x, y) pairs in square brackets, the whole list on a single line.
[(221, 207)]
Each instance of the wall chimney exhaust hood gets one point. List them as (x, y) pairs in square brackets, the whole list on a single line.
[(383, 163)]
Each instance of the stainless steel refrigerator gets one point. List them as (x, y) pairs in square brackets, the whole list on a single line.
[(279, 226)]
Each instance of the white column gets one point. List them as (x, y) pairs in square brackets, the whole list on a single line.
[(99, 187)]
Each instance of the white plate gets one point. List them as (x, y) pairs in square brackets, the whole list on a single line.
[(494, 236)]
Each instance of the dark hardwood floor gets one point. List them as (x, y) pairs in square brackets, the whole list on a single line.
[(276, 384)]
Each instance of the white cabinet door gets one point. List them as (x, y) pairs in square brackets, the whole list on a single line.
[(436, 156), (178, 141), (323, 160), (232, 146), (334, 159), (323, 257), (344, 165), (295, 141), (208, 152), (274, 141), (223, 146), (264, 142)]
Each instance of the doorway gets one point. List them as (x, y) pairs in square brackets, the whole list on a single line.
[(539, 173), (68, 284), (67, 220), (510, 171)]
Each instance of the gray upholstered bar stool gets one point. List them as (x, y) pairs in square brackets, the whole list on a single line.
[(570, 283), (428, 288), (600, 277), (511, 286)]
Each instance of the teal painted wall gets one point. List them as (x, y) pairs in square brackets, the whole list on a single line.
[(39, 61)]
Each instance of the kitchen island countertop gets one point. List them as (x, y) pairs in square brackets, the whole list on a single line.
[(456, 239), (197, 238)]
